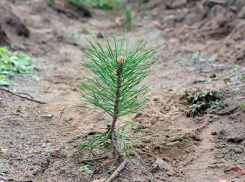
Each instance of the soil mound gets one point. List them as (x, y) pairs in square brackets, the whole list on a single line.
[(11, 23), (218, 24)]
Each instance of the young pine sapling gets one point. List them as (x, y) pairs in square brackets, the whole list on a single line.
[(116, 87)]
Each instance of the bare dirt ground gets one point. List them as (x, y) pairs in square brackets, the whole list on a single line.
[(212, 28)]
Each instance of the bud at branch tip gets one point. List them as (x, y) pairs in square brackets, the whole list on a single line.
[(121, 61)]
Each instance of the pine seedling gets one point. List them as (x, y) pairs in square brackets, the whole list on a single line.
[(116, 85)]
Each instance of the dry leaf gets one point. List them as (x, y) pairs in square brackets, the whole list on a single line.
[(237, 169)]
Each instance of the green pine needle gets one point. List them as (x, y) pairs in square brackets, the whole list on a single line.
[(101, 90)]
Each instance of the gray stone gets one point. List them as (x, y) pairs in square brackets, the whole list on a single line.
[(162, 165)]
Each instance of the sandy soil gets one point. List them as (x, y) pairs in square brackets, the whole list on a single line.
[(32, 139)]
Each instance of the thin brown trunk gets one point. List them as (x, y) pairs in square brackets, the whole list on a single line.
[(115, 116)]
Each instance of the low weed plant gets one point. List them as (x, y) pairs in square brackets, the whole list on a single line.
[(12, 63)]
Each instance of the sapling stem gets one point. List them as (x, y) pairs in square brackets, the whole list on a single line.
[(117, 99)]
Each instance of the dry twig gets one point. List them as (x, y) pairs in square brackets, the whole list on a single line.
[(24, 93), (62, 113), (118, 171), (23, 97)]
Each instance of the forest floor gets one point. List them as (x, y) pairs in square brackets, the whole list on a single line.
[(197, 53)]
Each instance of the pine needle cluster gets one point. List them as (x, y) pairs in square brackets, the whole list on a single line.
[(115, 87)]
